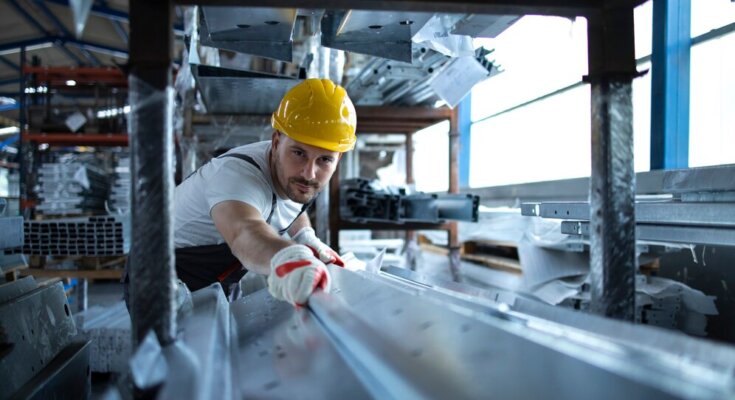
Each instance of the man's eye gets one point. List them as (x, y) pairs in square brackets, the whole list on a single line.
[(298, 153), (327, 160)]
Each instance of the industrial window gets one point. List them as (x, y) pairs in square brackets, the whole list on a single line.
[(712, 85), (532, 122)]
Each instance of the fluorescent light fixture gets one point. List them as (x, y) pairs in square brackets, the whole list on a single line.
[(71, 82), (40, 89), (43, 146), (9, 130), (113, 112)]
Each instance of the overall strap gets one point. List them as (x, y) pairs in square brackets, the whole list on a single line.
[(250, 160)]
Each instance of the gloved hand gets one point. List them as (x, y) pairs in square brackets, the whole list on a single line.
[(307, 237), (295, 274)]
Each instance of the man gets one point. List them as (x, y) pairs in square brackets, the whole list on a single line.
[(247, 206)]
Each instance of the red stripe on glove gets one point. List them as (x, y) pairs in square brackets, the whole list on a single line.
[(284, 269)]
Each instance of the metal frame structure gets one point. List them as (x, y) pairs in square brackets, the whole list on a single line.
[(403, 120), (611, 68)]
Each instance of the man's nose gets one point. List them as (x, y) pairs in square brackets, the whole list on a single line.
[(309, 171)]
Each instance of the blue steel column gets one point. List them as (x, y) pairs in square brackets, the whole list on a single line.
[(465, 126), (670, 84), (612, 67), (151, 261)]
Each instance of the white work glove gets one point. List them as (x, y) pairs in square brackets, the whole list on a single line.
[(295, 274), (307, 237)]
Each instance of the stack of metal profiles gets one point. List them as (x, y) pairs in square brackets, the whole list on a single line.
[(89, 236), (379, 335), (41, 359), (71, 188), (361, 201), (119, 200)]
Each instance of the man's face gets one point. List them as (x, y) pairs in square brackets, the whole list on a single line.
[(301, 171)]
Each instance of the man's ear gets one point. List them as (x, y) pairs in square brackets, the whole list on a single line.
[(275, 139)]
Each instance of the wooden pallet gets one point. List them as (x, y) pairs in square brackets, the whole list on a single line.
[(72, 273), (500, 263), (13, 273)]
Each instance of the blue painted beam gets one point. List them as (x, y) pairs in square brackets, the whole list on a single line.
[(670, 84), (9, 107), (58, 40), (65, 32), (120, 31), (11, 81), (9, 63), (465, 124), (113, 15), (29, 18)]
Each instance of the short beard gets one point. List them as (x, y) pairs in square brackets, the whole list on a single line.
[(292, 195)]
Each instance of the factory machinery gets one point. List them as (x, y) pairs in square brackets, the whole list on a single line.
[(397, 334)]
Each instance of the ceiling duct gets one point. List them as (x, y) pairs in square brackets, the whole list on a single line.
[(265, 32), (382, 34), (229, 91)]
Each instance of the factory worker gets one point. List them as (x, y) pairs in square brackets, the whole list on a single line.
[(245, 211)]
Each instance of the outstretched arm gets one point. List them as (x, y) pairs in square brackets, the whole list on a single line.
[(250, 238)]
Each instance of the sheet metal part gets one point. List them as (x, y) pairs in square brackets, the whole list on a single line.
[(681, 348), (665, 233), (265, 32), (478, 366), (67, 376), (483, 25), (662, 213), (228, 91), (383, 34), (16, 288), (35, 327), (283, 352)]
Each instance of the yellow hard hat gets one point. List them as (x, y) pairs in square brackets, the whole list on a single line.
[(319, 113)]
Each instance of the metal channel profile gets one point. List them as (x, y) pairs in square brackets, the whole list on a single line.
[(67, 376), (279, 351), (455, 352), (665, 233), (228, 91), (526, 310), (385, 34), (674, 213), (264, 32)]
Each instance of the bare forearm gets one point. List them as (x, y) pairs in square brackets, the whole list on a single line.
[(301, 222), (256, 244)]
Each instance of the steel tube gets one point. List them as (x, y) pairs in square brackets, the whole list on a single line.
[(152, 283), (612, 182)]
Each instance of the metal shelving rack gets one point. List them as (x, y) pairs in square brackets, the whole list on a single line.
[(406, 121)]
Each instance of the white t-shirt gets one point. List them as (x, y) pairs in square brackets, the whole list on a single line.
[(227, 178)]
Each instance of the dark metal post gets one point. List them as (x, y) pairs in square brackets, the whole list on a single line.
[(22, 161), (152, 283), (612, 183)]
